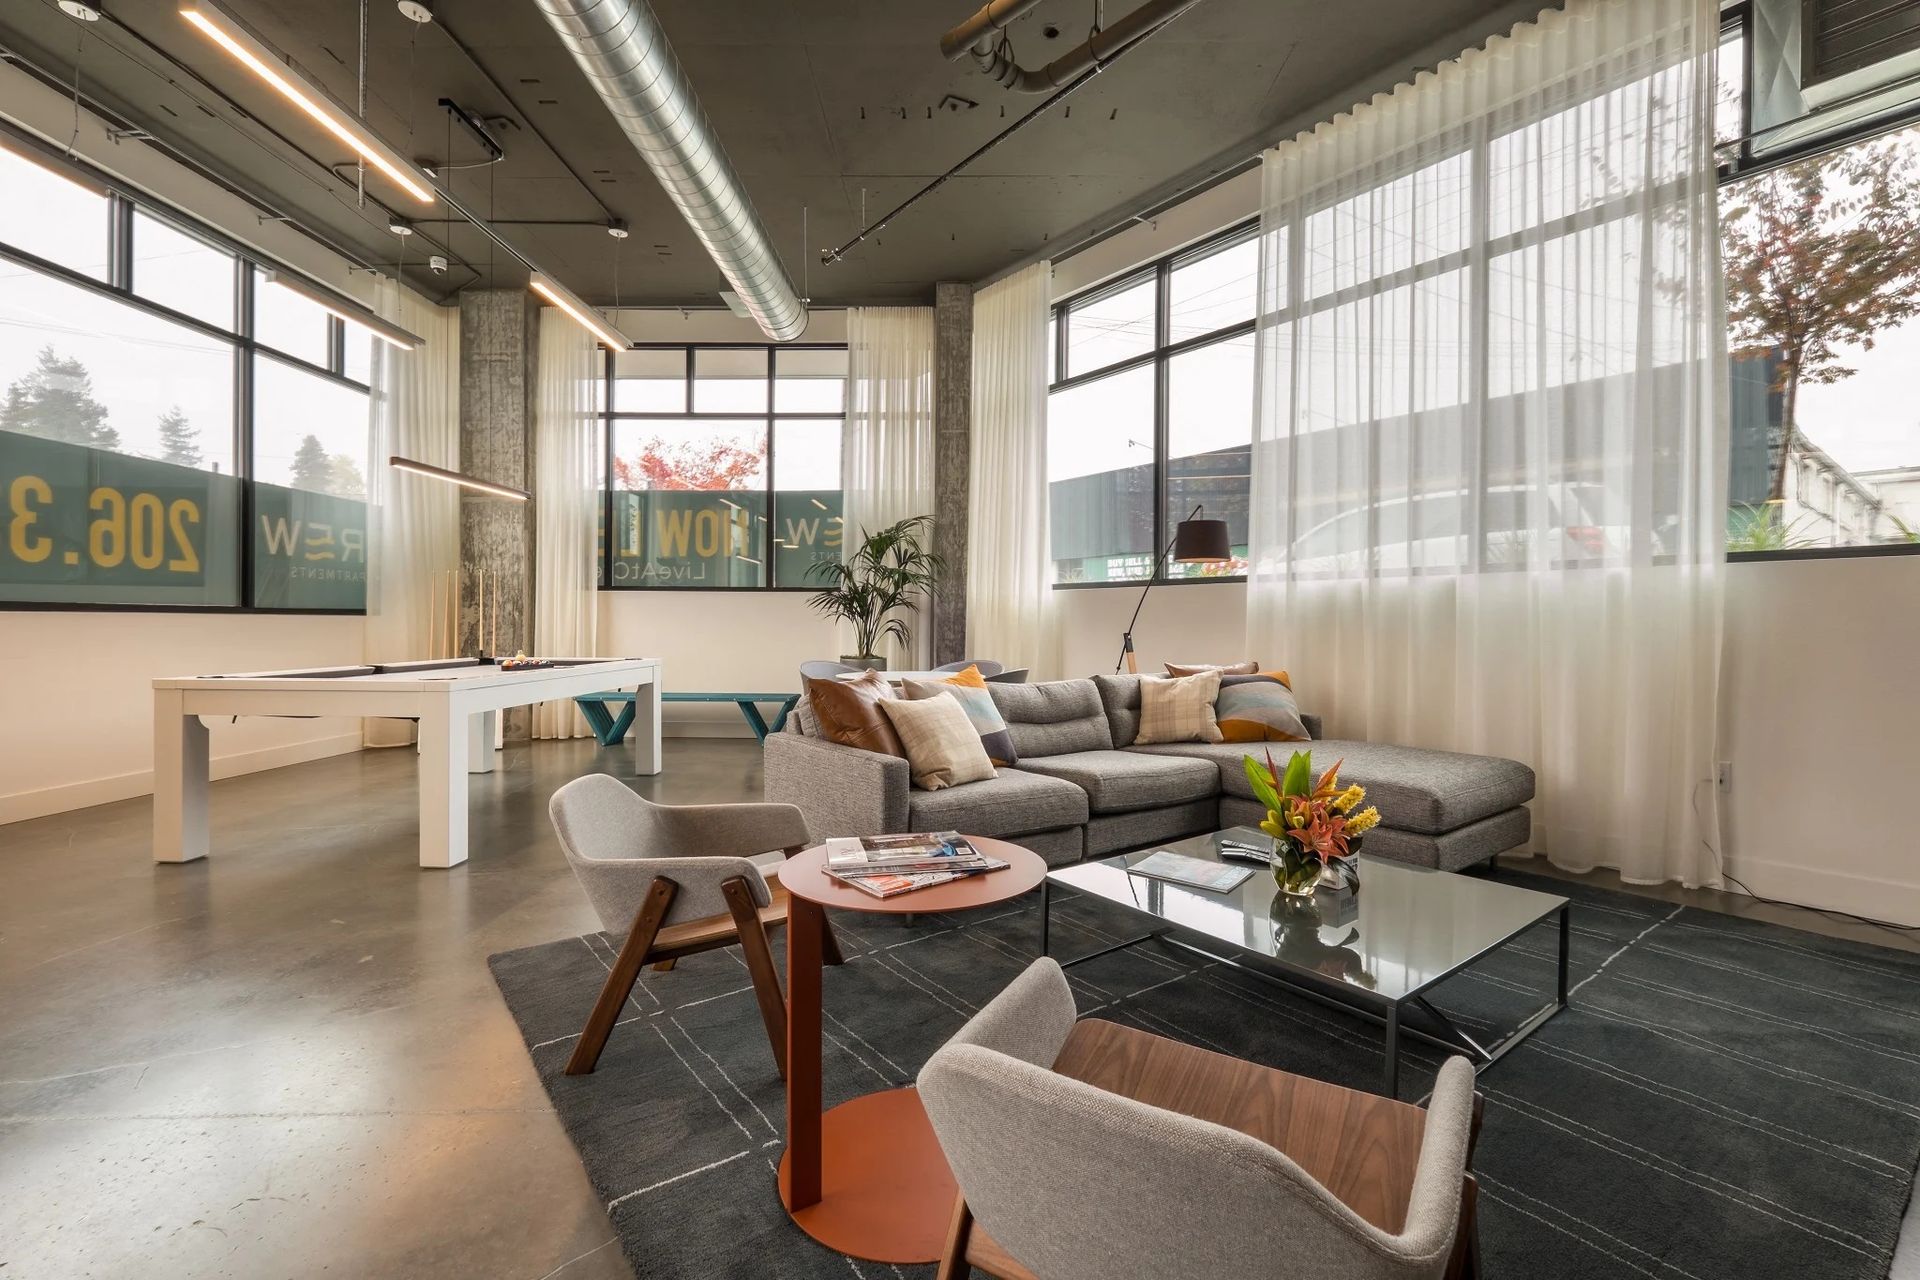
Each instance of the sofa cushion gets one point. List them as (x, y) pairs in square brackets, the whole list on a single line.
[(1415, 789), (969, 689), (1053, 718), (943, 748), (1123, 781), (1179, 708), (1120, 695), (1011, 803), (848, 712), (1258, 708)]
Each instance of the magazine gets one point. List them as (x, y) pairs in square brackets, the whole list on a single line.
[(1197, 873), (888, 884), (928, 851)]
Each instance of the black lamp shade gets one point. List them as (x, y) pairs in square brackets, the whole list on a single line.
[(1201, 542)]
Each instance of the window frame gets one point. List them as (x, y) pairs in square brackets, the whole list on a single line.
[(610, 419), (118, 286), (1160, 357)]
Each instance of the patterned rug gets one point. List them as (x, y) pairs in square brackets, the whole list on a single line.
[(1724, 1098)]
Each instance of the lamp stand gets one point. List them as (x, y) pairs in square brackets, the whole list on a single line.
[(1127, 658)]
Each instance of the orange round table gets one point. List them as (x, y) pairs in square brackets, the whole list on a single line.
[(867, 1178)]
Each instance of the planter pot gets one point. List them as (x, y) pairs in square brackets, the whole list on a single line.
[(868, 663)]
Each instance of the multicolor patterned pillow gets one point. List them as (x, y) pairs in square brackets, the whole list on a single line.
[(1259, 708), (969, 689)]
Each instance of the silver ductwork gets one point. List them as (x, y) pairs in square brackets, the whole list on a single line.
[(625, 55), (979, 35)]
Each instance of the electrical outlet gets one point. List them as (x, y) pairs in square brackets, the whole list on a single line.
[(1725, 776)]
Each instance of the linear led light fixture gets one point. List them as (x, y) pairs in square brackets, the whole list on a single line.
[(460, 478), (391, 334), (583, 315), (263, 62)]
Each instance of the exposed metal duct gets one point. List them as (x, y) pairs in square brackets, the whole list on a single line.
[(978, 36), (625, 55)]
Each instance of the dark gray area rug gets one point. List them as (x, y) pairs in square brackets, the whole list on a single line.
[(1724, 1099)]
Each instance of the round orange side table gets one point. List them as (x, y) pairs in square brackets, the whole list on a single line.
[(867, 1178)]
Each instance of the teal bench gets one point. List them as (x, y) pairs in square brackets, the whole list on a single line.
[(611, 729)]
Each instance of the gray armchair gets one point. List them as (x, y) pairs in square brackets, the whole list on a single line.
[(676, 880), (1069, 1180), (988, 667)]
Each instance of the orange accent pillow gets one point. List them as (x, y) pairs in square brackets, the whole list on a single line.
[(1258, 708), (848, 712), (969, 676)]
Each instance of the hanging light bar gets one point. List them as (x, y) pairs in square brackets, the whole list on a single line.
[(263, 62), (458, 477), (391, 334), (583, 315)]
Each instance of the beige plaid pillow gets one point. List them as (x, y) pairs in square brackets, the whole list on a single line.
[(1177, 709), (943, 747)]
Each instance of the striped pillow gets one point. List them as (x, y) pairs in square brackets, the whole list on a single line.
[(969, 688), (942, 748), (1259, 708), (1178, 709)]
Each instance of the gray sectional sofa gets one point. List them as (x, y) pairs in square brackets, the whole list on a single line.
[(1081, 788)]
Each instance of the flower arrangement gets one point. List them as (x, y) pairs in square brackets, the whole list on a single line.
[(1313, 820)]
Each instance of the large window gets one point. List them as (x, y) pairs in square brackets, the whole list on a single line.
[(1151, 412), (174, 431), (724, 466), (1152, 374)]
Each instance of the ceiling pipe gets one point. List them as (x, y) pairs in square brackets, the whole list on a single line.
[(625, 55), (977, 36)]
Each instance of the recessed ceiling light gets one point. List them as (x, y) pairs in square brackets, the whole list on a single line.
[(80, 10)]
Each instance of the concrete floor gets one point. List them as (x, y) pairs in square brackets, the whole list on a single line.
[(290, 1060)]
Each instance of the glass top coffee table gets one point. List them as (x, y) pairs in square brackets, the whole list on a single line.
[(1375, 951)]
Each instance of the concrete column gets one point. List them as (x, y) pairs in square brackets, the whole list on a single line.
[(499, 345), (952, 443)]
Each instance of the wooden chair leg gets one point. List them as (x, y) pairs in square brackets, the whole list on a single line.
[(1465, 1262), (759, 958), (620, 979), (953, 1263)]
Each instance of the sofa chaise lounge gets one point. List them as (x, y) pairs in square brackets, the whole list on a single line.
[(1083, 789)]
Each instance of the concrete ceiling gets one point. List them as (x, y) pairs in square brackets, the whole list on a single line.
[(842, 108)]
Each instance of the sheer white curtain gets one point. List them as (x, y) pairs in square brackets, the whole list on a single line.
[(886, 458), (1009, 565), (1490, 442), (414, 412), (566, 506)]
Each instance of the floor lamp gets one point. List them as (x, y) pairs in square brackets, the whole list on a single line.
[(1195, 541)]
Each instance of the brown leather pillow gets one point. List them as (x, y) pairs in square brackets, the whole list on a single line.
[(1178, 669), (848, 712)]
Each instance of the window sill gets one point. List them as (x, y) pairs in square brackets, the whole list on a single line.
[(1137, 583)]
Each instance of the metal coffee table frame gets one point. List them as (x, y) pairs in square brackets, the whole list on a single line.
[(1381, 1011)]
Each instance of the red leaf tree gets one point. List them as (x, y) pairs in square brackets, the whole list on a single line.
[(1819, 256), (688, 464)]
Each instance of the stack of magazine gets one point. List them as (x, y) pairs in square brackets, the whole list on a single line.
[(888, 865)]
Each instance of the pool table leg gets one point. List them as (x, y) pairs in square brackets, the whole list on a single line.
[(444, 747), (646, 729), (180, 765), (482, 728)]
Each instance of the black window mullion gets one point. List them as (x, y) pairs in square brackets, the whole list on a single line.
[(120, 242), (1162, 329)]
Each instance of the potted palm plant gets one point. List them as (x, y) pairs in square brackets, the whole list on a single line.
[(885, 578)]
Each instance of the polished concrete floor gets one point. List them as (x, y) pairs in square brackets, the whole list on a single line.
[(289, 1059)]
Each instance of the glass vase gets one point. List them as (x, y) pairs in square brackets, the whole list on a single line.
[(1294, 869)]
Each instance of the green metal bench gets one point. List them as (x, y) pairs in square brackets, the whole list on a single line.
[(612, 729)]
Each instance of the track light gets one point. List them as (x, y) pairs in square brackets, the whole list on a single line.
[(391, 334), (259, 59), (460, 478), (583, 315)]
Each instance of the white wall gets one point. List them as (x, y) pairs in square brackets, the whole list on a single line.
[(716, 641), (76, 698)]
